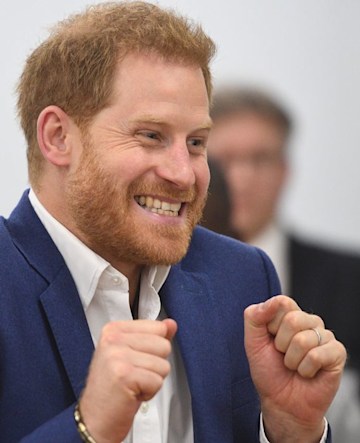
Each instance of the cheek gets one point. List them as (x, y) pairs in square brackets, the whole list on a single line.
[(272, 186), (202, 173), (124, 170)]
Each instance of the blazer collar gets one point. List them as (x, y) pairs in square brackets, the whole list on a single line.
[(188, 299)]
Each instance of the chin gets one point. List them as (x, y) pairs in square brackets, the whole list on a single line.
[(165, 254)]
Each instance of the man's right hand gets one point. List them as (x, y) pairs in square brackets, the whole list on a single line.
[(128, 367)]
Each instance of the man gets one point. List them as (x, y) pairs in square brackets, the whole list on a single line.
[(115, 109), (249, 144)]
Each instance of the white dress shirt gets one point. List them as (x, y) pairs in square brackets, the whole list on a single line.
[(104, 294), (274, 242)]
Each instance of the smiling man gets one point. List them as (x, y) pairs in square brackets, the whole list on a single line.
[(122, 321), (138, 174)]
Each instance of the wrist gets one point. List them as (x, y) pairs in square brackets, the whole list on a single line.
[(83, 431), (288, 430), (95, 427)]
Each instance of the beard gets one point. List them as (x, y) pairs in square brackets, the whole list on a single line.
[(106, 222)]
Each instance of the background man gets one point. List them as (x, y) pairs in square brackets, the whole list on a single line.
[(103, 253), (249, 144)]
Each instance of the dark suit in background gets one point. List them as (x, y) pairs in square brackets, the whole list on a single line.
[(327, 282)]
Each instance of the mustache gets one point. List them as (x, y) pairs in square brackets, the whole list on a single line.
[(164, 190)]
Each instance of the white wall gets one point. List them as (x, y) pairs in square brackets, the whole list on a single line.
[(307, 52)]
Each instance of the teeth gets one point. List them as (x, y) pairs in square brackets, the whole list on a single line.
[(149, 202), (175, 207), (159, 207), (157, 203)]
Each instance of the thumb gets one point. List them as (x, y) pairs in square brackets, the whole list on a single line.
[(256, 334), (256, 319), (262, 321), (257, 316)]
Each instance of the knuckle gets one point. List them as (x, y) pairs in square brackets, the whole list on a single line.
[(122, 369), (167, 347), (300, 341), (312, 357), (290, 363), (108, 334), (279, 345), (318, 320), (166, 368), (286, 302), (330, 335), (159, 383), (342, 350), (292, 319)]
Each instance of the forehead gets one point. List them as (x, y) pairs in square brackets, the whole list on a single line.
[(147, 88), (146, 77)]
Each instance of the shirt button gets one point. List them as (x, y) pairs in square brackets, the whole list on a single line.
[(144, 407), (116, 280)]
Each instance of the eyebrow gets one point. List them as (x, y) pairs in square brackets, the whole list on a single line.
[(144, 119)]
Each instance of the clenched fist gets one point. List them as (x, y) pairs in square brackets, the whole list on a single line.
[(129, 366)]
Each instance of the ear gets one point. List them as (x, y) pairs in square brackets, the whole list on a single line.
[(53, 127)]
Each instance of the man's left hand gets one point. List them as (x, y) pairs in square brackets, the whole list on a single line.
[(296, 365)]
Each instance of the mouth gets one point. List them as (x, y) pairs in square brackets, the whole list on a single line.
[(158, 206)]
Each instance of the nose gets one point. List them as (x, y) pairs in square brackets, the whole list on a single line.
[(176, 165)]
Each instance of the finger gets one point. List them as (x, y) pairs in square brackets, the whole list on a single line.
[(329, 357), (139, 326), (262, 318), (115, 337), (147, 343), (145, 384), (301, 343), (291, 324), (171, 328), (122, 364), (143, 360), (282, 306)]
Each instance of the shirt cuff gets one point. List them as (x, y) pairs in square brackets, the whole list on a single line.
[(263, 439)]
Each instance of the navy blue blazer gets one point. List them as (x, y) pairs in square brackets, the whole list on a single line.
[(46, 347)]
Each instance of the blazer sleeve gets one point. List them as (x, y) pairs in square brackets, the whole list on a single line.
[(60, 429), (273, 279)]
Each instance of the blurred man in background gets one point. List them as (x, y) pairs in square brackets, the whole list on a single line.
[(249, 144)]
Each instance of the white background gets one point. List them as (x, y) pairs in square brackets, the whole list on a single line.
[(307, 52)]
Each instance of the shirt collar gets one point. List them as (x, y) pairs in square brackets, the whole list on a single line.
[(85, 266)]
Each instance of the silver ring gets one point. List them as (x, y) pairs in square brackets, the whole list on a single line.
[(317, 335)]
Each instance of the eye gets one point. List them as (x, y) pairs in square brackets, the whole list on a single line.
[(149, 138), (150, 134), (197, 144)]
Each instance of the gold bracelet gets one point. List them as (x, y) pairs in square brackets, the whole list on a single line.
[(81, 427)]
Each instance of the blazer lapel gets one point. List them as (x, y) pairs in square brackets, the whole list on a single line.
[(60, 300), (187, 298), (69, 327)]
